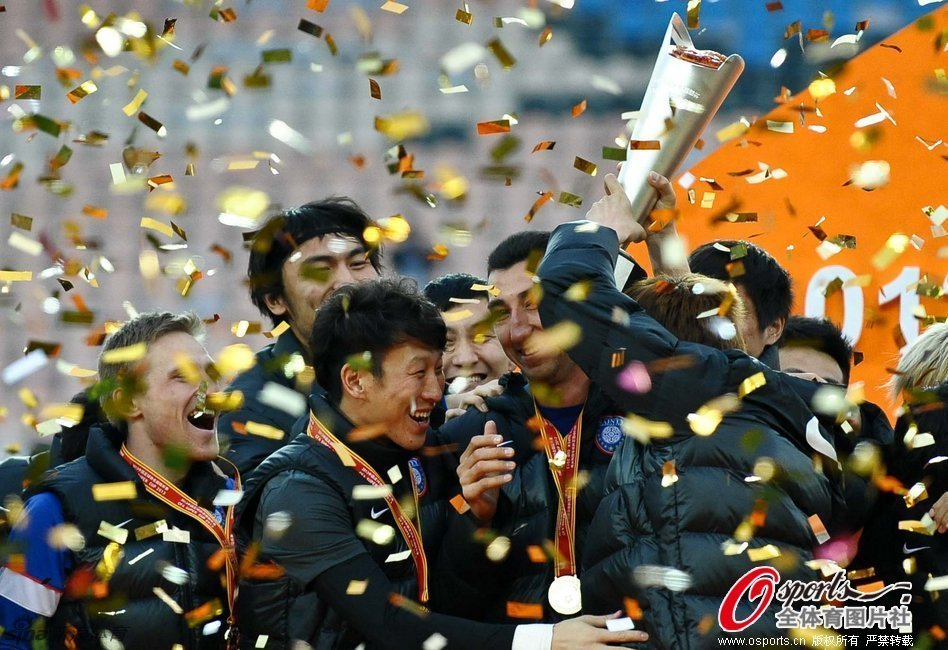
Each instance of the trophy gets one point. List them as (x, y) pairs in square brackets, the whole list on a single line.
[(685, 91)]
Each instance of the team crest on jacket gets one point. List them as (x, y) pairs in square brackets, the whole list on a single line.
[(418, 475), (610, 434)]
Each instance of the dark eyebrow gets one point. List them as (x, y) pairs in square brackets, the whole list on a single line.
[(328, 259), (496, 303)]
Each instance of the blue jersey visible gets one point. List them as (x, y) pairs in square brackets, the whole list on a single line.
[(35, 591), (562, 417)]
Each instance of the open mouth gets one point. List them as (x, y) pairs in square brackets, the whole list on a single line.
[(461, 383), (202, 419), (420, 416)]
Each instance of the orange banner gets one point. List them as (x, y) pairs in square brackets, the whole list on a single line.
[(846, 184)]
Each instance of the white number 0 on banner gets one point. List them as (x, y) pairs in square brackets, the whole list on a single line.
[(903, 288)]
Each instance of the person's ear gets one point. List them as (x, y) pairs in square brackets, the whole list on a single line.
[(774, 331), (353, 382), (276, 304), (122, 404)]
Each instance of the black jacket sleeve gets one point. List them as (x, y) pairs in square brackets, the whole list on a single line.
[(616, 331), (386, 623)]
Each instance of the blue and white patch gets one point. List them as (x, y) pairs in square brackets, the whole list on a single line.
[(219, 515), (418, 476), (610, 434)]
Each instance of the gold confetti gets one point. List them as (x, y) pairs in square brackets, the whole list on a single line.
[(82, 90), (150, 530), (822, 88), (157, 226), (922, 527), (167, 600), (763, 553), (125, 354), (132, 107), (570, 199), (464, 15), (356, 587), (402, 126), (280, 55), (779, 127), (331, 44), (545, 36), (644, 430), (122, 490), (27, 92), (507, 61), (750, 384), (394, 7), (694, 9), (916, 494), (21, 221), (643, 145), (733, 130), (705, 421), (112, 533), (585, 166), (263, 430), (152, 124), (15, 276), (310, 28), (894, 246)]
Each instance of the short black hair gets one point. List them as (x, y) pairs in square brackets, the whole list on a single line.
[(766, 282), (517, 248), (73, 439), (371, 316), (285, 232), (822, 335), (441, 290)]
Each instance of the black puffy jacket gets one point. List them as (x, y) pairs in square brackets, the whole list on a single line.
[(131, 611), (526, 511), (687, 501), (287, 609), (276, 363)]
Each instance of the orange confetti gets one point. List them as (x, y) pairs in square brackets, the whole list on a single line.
[(95, 212), (459, 504), (632, 609), (524, 610), (536, 554), (494, 127), (317, 5), (544, 198), (545, 145), (546, 35), (579, 108)]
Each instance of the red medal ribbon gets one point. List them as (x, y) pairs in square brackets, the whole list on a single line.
[(565, 480), (411, 534), (168, 493)]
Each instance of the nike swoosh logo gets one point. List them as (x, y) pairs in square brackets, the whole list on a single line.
[(907, 550), (375, 515)]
